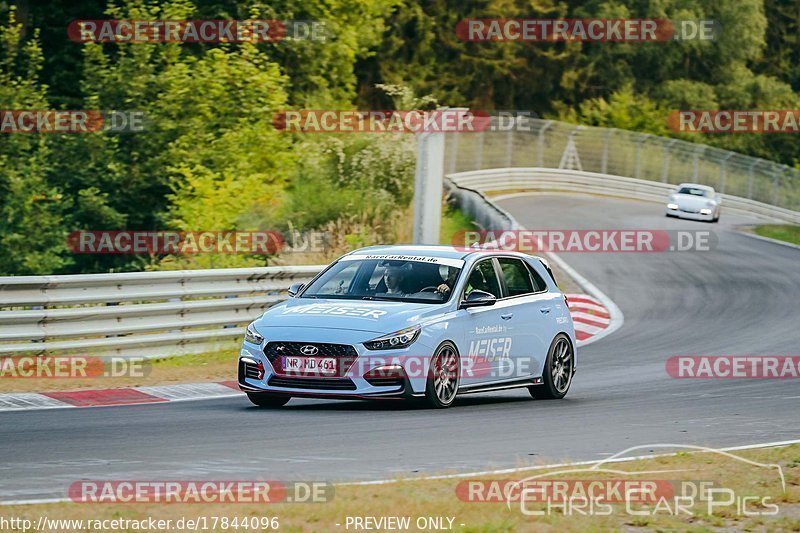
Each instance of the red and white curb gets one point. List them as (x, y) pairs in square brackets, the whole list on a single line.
[(23, 401), (596, 304), (589, 316), (592, 319)]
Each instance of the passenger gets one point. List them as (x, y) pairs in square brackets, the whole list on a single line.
[(449, 282)]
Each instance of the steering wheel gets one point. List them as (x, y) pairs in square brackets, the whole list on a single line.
[(431, 288)]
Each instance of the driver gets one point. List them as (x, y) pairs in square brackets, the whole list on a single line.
[(393, 277)]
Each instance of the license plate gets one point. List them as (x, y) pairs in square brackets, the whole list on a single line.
[(324, 366)]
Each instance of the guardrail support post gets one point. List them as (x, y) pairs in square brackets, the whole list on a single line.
[(510, 143), (696, 163), (604, 160), (638, 161), (750, 179), (665, 161), (776, 176), (540, 142), (479, 150), (723, 172), (453, 155)]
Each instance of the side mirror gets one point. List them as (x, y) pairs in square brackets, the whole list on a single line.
[(295, 288), (478, 298)]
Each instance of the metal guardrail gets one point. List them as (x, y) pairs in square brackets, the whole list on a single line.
[(547, 179), (141, 313), (550, 144)]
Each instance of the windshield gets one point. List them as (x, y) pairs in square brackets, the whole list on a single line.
[(426, 281), (694, 191)]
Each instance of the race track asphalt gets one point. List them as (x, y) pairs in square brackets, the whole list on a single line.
[(741, 298)]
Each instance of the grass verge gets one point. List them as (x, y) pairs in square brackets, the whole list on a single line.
[(781, 232), (438, 498)]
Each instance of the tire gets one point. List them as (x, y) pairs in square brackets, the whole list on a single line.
[(263, 399), (444, 377), (558, 370)]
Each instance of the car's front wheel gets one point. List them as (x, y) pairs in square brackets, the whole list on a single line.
[(263, 399), (443, 377), (558, 370)]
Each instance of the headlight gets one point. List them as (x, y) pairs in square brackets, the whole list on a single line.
[(252, 336), (705, 211), (672, 206), (398, 339)]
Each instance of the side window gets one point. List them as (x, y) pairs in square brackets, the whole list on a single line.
[(483, 278), (516, 275), (538, 283)]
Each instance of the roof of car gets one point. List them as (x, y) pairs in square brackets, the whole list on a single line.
[(696, 186), (448, 252)]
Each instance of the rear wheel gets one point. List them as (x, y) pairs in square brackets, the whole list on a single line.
[(443, 377), (558, 370), (263, 399)]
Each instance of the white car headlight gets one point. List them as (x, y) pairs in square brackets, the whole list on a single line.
[(705, 211), (672, 206), (252, 336), (398, 339)]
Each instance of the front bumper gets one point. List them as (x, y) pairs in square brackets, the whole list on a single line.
[(689, 215), (256, 373)]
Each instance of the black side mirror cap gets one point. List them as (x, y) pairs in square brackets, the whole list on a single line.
[(295, 288), (478, 298)]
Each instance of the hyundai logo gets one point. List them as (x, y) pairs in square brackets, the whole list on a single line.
[(309, 350)]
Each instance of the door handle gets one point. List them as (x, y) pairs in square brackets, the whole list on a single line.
[(544, 310), (506, 316)]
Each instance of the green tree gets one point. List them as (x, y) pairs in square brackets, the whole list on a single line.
[(32, 232)]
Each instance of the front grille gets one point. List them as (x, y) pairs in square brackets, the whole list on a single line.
[(247, 370), (344, 353), (312, 383), (277, 349)]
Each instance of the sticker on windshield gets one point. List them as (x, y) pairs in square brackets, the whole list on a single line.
[(458, 263)]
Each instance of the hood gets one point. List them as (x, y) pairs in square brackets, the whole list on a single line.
[(355, 315), (689, 201)]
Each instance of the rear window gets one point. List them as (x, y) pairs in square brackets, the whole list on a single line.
[(516, 275)]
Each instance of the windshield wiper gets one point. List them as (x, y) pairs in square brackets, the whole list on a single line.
[(381, 298)]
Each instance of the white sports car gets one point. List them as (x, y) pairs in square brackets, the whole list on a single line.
[(404, 322), (695, 202)]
